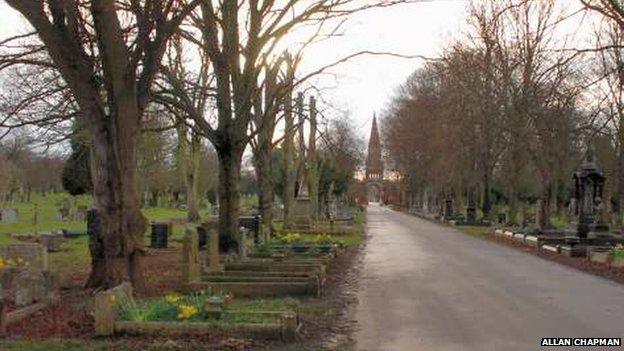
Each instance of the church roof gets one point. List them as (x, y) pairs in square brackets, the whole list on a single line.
[(374, 164)]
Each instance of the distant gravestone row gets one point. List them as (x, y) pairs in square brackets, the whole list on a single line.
[(9, 215)]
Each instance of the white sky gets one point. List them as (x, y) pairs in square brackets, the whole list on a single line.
[(363, 85)]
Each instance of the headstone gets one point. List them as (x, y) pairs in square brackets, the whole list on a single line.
[(573, 208), (214, 263), (242, 245), (448, 208), (252, 224), (9, 215), (502, 218), (191, 265), (31, 255), (202, 232), (63, 212), (29, 287), (588, 187), (471, 215), (301, 213), (105, 307), (160, 235), (52, 241), (265, 233)]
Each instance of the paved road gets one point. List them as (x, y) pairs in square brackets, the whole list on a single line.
[(429, 287)]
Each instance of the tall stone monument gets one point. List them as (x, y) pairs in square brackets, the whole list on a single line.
[(588, 188), (302, 217)]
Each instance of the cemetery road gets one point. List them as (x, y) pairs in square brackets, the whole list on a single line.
[(430, 287)]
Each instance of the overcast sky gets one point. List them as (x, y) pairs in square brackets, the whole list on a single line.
[(364, 85)]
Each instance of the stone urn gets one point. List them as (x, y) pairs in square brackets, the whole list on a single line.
[(214, 307)]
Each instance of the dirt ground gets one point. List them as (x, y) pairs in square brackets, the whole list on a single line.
[(324, 326)]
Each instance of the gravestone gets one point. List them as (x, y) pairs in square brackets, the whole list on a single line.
[(203, 230), (160, 235), (301, 213), (81, 214), (502, 218), (242, 244), (302, 208), (32, 255), (448, 208), (29, 287), (63, 213), (588, 188), (471, 215), (52, 241), (252, 224), (214, 264), (191, 265), (9, 215)]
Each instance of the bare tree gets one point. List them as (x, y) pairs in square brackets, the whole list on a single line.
[(107, 54)]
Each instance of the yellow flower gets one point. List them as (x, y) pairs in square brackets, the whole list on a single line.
[(292, 237), (172, 298), (186, 311), (10, 262)]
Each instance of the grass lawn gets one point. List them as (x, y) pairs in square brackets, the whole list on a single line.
[(479, 232), (354, 238), (74, 258)]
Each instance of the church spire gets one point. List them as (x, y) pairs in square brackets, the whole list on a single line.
[(374, 165)]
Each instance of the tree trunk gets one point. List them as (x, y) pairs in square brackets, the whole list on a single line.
[(487, 205), (313, 173), (154, 199), (116, 197), (192, 180), (264, 172), (620, 178), (544, 207), (229, 197), (289, 161)]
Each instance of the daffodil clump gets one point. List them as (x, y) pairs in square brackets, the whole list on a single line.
[(186, 311), (172, 299), (323, 239), (292, 238), (19, 262)]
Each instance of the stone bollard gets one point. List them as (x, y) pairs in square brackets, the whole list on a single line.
[(214, 264), (191, 265), (106, 303)]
